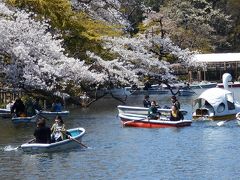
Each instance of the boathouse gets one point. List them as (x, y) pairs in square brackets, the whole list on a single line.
[(216, 65)]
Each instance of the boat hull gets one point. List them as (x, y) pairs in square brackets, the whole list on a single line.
[(143, 110), (183, 92), (20, 120), (143, 122), (5, 113), (50, 114), (76, 133), (148, 92), (214, 118)]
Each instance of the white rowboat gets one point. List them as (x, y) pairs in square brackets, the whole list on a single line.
[(76, 133)]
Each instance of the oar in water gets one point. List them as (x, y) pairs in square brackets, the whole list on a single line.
[(31, 140), (75, 140), (221, 123)]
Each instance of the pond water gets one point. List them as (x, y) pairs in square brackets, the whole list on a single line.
[(201, 151)]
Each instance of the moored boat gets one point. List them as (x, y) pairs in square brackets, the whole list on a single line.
[(5, 113), (230, 85), (203, 85), (50, 114), (76, 134), (141, 90), (186, 92), (130, 120), (143, 110)]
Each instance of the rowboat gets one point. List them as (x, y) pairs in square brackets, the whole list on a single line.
[(148, 92), (202, 85), (186, 92), (51, 114), (154, 89), (20, 120), (130, 120), (230, 85), (143, 110), (76, 134), (5, 113)]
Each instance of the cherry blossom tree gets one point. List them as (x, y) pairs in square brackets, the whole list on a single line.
[(31, 56)]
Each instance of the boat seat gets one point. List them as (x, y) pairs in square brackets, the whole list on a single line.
[(201, 112)]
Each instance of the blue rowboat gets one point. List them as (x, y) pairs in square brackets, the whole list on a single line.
[(76, 134), (20, 120), (50, 114), (5, 113)]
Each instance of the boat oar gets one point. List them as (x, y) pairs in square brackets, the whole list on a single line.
[(221, 123), (74, 139), (134, 120), (31, 140)]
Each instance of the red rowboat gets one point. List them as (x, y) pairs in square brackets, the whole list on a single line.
[(134, 120)]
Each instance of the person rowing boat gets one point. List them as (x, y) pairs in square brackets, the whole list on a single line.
[(42, 133), (153, 112)]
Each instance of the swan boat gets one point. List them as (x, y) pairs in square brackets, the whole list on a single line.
[(76, 133), (143, 110), (141, 121), (216, 103)]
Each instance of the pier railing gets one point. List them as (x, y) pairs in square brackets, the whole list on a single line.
[(9, 94)]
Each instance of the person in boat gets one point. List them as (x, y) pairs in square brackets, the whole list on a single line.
[(36, 105), (42, 133), (175, 102), (57, 106), (175, 114), (18, 108), (58, 130), (147, 85), (30, 111), (146, 101), (153, 112), (9, 105)]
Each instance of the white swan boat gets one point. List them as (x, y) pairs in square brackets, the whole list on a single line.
[(216, 103), (76, 134)]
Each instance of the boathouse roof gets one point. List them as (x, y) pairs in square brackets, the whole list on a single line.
[(218, 57)]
